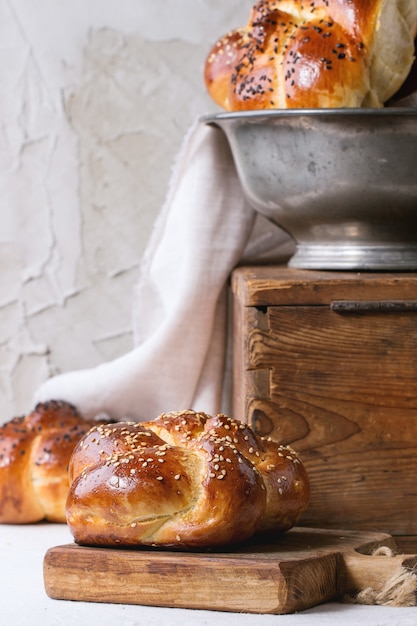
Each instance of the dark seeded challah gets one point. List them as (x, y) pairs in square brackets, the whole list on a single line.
[(186, 480), (34, 455), (314, 54)]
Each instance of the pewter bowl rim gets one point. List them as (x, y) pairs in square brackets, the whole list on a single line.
[(259, 114)]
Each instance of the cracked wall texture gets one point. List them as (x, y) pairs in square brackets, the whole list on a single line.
[(96, 98)]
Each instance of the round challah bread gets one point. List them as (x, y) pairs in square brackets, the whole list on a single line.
[(314, 54), (34, 455), (185, 480)]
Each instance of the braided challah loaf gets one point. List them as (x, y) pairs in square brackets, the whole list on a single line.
[(34, 455), (314, 54), (186, 480)]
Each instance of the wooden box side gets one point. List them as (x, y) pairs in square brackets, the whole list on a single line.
[(342, 390)]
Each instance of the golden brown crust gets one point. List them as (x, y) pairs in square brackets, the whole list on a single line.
[(220, 64), (320, 54), (186, 480), (34, 457)]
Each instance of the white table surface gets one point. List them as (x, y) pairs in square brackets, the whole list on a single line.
[(23, 599)]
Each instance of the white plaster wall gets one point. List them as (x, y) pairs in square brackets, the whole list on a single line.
[(96, 96)]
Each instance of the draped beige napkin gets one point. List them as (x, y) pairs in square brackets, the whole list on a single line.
[(204, 230)]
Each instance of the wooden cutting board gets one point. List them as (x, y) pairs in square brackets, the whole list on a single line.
[(301, 569)]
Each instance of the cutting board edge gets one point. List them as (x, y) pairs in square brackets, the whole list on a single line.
[(60, 581)]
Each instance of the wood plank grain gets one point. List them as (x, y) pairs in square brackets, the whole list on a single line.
[(278, 285), (341, 395)]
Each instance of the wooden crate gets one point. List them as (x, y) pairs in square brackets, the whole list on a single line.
[(327, 362)]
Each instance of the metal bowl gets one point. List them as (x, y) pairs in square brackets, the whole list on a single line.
[(341, 182)]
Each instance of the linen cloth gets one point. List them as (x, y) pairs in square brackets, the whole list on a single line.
[(180, 359)]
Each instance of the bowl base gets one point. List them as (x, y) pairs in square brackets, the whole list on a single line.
[(355, 257)]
